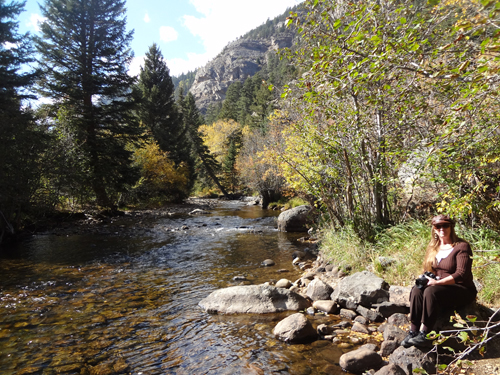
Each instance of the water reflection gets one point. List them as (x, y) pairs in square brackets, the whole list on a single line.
[(127, 302)]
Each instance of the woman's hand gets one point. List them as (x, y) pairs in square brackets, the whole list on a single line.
[(448, 280), (432, 282)]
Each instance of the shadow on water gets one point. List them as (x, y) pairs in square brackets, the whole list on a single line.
[(126, 301)]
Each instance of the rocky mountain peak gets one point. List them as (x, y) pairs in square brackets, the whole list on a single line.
[(238, 61)]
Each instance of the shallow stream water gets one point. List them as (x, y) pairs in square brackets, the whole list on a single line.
[(126, 301)]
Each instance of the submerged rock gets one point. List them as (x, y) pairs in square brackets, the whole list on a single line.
[(295, 329), (258, 299)]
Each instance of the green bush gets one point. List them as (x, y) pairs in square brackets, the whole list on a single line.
[(295, 202)]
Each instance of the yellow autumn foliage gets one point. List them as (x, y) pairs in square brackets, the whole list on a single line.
[(159, 175), (216, 136)]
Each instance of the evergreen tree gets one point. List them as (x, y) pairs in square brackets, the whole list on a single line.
[(229, 106), (229, 162), (85, 55), (261, 106), (245, 102), (157, 109), (213, 112), (21, 143), (192, 121)]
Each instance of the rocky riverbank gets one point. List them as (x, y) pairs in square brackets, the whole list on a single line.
[(114, 223), (374, 318)]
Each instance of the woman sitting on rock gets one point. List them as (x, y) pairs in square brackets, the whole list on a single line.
[(449, 259)]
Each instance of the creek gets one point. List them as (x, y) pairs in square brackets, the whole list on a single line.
[(125, 301)]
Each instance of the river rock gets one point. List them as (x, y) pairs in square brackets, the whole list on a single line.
[(387, 347), (386, 309), (370, 314), (323, 330), (361, 319), (199, 212), (268, 263), (258, 299), (400, 295), (318, 290), (394, 333), (412, 358), (327, 306), (361, 328), (399, 320), (295, 329), (360, 360), (295, 219), (284, 283), (390, 369), (363, 288), (349, 314)]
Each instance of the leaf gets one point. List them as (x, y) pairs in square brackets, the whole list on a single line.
[(458, 325), (471, 318), (433, 2), (463, 336), (419, 370), (450, 349)]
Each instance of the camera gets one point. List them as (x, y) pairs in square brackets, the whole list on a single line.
[(422, 280)]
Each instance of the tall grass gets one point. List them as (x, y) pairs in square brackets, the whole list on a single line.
[(403, 248)]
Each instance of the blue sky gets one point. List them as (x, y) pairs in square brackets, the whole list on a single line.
[(188, 32)]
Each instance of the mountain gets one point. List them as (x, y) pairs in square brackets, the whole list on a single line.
[(239, 60)]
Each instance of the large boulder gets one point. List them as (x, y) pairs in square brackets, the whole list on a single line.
[(295, 329), (412, 358), (258, 299), (319, 290), (400, 295), (360, 360), (363, 288), (294, 219)]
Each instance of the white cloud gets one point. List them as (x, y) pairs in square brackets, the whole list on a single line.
[(218, 26), (135, 66), (178, 66), (146, 18), (35, 21), (168, 34)]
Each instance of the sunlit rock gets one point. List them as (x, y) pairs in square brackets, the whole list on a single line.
[(259, 299), (295, 329)]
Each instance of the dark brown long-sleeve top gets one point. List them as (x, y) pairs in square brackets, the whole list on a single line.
[(458, 264)]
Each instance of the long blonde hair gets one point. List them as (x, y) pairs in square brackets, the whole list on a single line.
[(433, 246)]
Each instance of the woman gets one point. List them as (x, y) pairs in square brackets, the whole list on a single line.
[(450, 259)]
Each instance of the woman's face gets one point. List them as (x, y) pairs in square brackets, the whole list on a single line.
[(443, 230)]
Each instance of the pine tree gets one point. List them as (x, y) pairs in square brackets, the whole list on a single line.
[(85, 55), (229, 106), (158, 110), (21, 143), (192, 121)]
